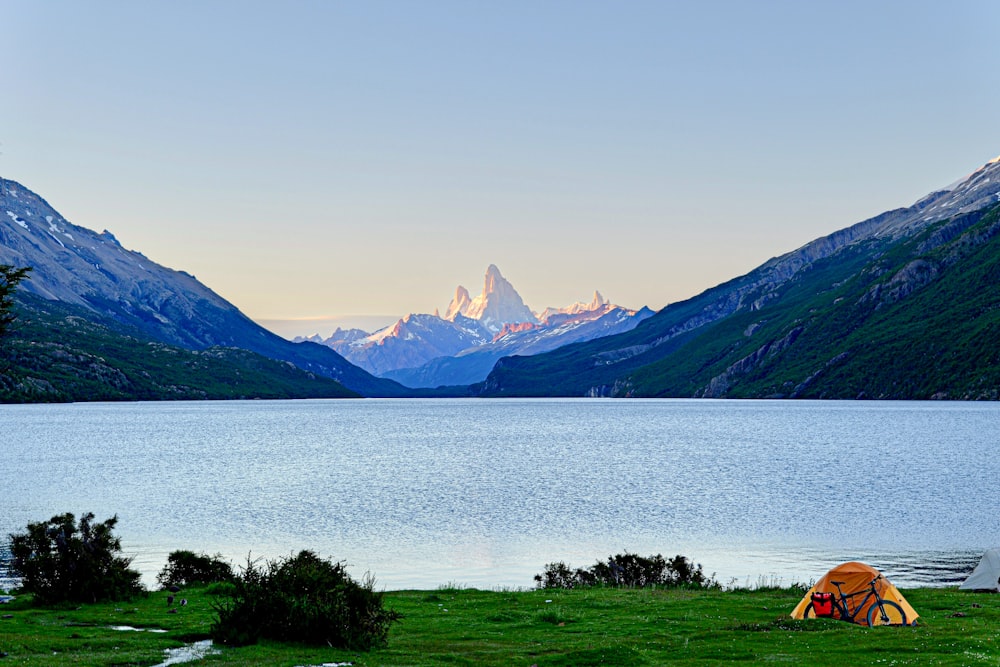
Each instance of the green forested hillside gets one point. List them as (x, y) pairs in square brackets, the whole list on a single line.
[(59, 352), (916, 317)]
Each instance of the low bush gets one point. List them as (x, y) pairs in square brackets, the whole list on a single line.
[(628, 571), (303, 599), (186, 568), (221, 588), (59, 560)]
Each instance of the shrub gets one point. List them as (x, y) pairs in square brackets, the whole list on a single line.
[(221, 588), (59, 560), (186, 568), (627, 570), (303, 599), (559, 575)]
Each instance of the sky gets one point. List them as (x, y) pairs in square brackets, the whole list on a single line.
[(345, 163)]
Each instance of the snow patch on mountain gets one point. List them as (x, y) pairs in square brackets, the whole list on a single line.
[(17, 219)]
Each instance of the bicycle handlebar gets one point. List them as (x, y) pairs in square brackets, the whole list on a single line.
[(871, 587)]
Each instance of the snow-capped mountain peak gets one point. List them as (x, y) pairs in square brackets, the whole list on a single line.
[(497, 305), (597, 303), (496, 322)]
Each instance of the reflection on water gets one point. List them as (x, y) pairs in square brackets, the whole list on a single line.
[(929, 568), (487, 492), (804, 566)]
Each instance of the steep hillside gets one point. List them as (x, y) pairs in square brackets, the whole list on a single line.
[(920, 322), (76, 266), (58, 353), (899, 306)]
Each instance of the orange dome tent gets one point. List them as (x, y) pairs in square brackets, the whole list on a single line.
[(855, 581)]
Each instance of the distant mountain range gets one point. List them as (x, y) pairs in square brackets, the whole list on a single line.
[(905, 305), (103, 322), (427, 350)]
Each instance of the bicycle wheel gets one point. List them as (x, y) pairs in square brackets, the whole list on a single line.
[(809, 612), (891, 614)]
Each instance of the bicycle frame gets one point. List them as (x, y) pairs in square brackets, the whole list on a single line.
[(842, 605), (879, 612)]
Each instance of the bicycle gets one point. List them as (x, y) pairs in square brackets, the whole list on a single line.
[(881, 611)]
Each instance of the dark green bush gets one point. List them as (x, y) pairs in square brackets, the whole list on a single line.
[(186, 568), (629, 571), (59, 560), (559, 575), (221, 588), (303, 599)]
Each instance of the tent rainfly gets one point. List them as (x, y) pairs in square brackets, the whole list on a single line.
[(855, 580), (986, 576)]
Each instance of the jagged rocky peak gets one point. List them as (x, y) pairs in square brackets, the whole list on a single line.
[(596, 304), (338, 336), (494, 280), (460, 348), (497, 305), (459, 304), (348, 334)]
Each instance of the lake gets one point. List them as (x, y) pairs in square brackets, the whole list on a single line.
[(485, 493)]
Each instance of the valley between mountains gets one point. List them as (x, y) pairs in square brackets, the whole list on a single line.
[(903, 305), (462, 347)]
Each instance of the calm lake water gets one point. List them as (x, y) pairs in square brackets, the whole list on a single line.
[(485, 493)]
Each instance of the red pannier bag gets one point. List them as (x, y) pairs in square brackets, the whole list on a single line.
[(822, 604)]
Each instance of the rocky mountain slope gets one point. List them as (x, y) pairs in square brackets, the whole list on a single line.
[(88, 360), (93, 272), (899, 306), (423, 351)]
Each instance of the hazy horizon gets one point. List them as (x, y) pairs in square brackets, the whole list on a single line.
[(320, 162), (324, 326)]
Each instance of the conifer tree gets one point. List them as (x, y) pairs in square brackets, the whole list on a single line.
[(9, 279)]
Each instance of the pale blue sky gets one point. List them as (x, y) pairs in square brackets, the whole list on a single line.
[(331, 159)]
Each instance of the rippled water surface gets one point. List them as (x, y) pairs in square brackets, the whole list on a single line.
[(423, 493)]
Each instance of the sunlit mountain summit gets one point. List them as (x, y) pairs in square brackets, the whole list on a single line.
[(428, 350), (497, 305)]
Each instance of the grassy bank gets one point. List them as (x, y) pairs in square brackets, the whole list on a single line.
[(544, 628)]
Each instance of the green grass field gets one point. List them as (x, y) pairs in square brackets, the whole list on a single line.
[(602, 626)]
